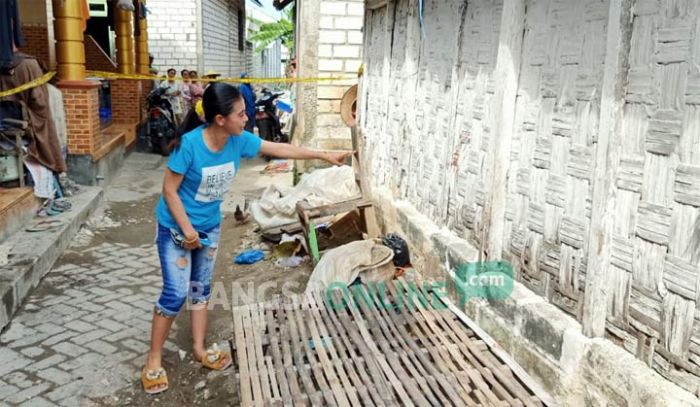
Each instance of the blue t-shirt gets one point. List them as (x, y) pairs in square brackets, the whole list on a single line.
[(207, 176)]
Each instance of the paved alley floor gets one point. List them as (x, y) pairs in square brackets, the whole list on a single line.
[(81, 337)]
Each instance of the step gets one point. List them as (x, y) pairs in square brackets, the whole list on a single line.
[(17, 206), (32, 254)]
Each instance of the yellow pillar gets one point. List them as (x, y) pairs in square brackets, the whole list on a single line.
[(142, 66), (70, 51), (123, 20)]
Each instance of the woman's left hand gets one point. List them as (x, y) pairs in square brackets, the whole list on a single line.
[(336, 158)]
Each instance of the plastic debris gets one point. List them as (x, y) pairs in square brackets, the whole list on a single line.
[(249, 257), (292, 261), (402, 257)]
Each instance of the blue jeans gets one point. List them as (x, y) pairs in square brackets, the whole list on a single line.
[(185, 272)]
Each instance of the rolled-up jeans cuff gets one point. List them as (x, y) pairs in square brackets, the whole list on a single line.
[(164, 312), (200, 300)]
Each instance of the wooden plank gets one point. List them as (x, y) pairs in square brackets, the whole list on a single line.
[(419, 368), (379, 357), (501, 354), (250, 350), (607, 162), (340, 393), (258, 325), (432, 320), (351, 352), (297, 356), (363, 347), (331, 209), (482, 359), (276, 359), (435, 379), (285, 358), (389, 347), (508, 63), (242, 356), (311, 357), (344, 369), (442, 358)]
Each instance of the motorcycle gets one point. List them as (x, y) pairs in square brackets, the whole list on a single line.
[(267, 118), (160, 127)]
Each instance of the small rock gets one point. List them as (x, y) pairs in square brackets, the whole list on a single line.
[(207, 394), (182, 354), (200, 385)]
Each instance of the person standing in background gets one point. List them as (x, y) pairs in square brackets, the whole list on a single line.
[(196, 89), (249, 98), (173, 92), (186, 98)]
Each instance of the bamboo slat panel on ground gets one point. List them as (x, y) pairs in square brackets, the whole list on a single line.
[(389, 345)]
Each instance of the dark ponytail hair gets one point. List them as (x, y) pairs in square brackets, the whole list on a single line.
[(218, 98)]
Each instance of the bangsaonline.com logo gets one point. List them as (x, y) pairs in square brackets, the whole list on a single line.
[(492, 281)]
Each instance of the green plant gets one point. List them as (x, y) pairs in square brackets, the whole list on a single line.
[(270, 32)]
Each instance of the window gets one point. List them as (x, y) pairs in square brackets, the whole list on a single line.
[(241, 29)]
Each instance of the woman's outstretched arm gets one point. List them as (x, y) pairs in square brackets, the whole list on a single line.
[(285, 150)]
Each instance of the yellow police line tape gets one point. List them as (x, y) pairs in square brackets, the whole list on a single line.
[(111, 75), (29, 85)]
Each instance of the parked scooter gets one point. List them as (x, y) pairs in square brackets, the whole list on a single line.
[(160, 128), (267, 117)]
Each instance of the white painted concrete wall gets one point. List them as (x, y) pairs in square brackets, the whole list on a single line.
[(172, 34), (173, 31), (220, 36), (336, 48)]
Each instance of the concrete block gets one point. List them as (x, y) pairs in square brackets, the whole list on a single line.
[(333, 8), (544, 325), (349, 23), (325, 51), (453, 249), (330, 65), (356, 9), (330, 92), (328, 106), (346, 51), (329, 120), (337, 143), (355, 37), (352, 65), (618, 377), (332, 37), (326, 22)]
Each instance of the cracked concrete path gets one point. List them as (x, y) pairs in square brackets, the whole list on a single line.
[(81, 336)]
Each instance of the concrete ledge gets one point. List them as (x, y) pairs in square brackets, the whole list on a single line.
[(17, 206), (33, 254), (85, 170), (544, 340)]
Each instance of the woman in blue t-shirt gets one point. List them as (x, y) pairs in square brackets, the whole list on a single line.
[(200, 169)]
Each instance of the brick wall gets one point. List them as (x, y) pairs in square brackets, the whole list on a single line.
[(83, 121), (95, 57), (36, 42), (126, 106), (172, 34), (220, 37)]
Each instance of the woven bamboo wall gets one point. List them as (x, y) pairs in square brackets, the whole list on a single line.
[(552, 155), (653, 307), (428, 113)]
